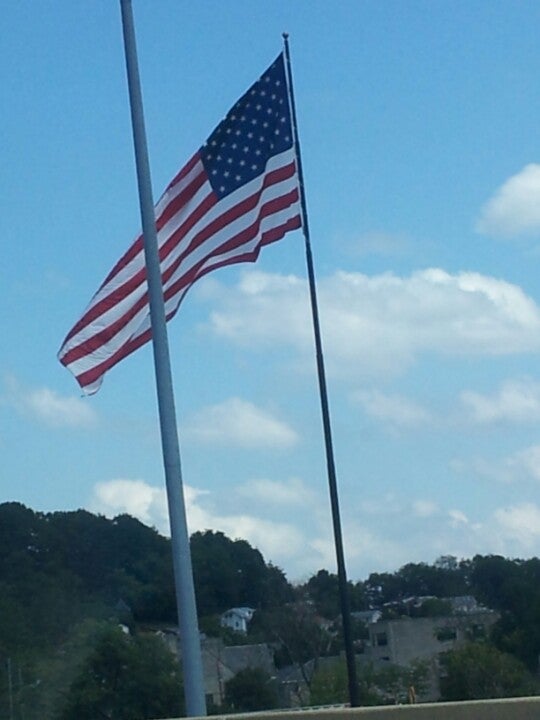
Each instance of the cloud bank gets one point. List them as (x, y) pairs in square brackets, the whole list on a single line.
[(379, 326), (425, 529), (236, 422), (277, 540), (49, 407), (395, 410), (516, 401), (514, 209)]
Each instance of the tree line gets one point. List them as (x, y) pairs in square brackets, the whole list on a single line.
[(69, 580)]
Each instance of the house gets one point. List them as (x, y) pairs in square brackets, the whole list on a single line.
[(237, 619), (463, 604), (222, 662), (293, 689), (402, 641), (368, 617)]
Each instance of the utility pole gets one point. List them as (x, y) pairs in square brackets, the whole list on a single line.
[(10, 689)]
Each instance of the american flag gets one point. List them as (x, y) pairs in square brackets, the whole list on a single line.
[(239, 192)]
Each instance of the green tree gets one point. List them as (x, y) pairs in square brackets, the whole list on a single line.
[(478, 670), (445, 578), (513, 588), (330, 685), (433, 607), (323, 590), (377, 686), (47, 681), (125, 677), (276, 589), (231, 573), (393, 682), (250, 690), (297, 634), (359, 634)]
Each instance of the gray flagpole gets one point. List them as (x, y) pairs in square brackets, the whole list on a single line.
[(325, 410), (183, 574)]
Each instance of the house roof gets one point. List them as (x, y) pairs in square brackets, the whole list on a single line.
[(243, 612)]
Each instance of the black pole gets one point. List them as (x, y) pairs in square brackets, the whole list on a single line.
[(331, 469), (10, 689)]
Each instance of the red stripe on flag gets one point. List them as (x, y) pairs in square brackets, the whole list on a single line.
[(93, 343), (137, 246), (243, 207), (130, 285), (90, 376)]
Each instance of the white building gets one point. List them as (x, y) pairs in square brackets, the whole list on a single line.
[(237, 619)]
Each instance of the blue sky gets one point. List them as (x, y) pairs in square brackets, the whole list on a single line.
[(419, 130)]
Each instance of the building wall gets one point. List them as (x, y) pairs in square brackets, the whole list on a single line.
[(403, 641), (407, 639), (513, 709), (221, 663)]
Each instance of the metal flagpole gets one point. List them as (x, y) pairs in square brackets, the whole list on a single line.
[(332, 483), (183, 574)]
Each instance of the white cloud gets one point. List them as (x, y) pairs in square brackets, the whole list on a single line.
[(435, 531), (382, 504), (422, 535), (48, 407), (278, 541), (239, 423), (148, 503), (293, 492), (276, 310), (379, 325), (134, 497), (457, 518), (526, 462), (396, 410), (370, 546), (521, 523), (516, 401), (363, 548), (59, 410), (381, 243), (521, 465), (514, 209), (424, 508)]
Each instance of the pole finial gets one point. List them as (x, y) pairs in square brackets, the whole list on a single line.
[(285, 35)]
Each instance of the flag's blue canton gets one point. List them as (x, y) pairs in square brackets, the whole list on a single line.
[(257, 127)]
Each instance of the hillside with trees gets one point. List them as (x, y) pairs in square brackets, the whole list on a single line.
[(82, 597)]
